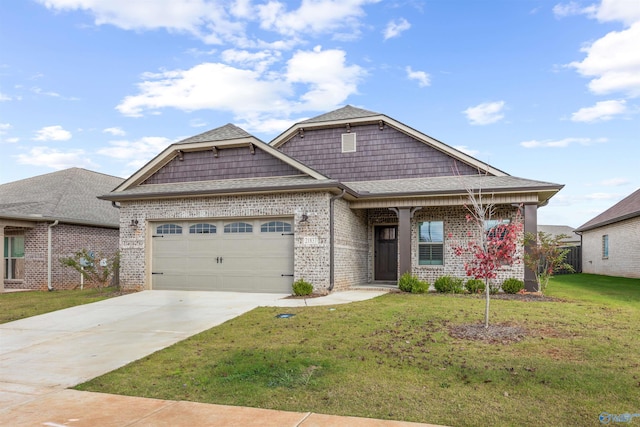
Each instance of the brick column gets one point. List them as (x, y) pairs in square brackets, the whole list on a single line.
[(530, 226)]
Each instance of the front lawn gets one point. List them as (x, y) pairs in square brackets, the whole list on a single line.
[(18, 305), (393, 358)]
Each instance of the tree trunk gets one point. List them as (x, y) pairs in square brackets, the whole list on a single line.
[(486, 308)]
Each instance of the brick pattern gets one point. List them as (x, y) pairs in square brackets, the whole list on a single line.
[(231, 163), (66, 239), (311, 240), (386, 154), (351, 246), (624, 249)]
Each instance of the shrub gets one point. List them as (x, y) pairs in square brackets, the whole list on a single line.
[(302, 287), (474, 286), (420, 287), (448, 284), (493, 289), (410, 283), (512, 286)]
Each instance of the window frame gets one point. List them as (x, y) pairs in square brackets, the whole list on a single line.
[(235, 227), (11, 260), (431, 244), (276, 227), (605, 246), (168, 229), (199, 228)]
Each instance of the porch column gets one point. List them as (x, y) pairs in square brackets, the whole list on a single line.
[(404, 240), (2, 263), (530, 226)]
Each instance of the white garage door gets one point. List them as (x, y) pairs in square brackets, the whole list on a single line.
[(251, 255)]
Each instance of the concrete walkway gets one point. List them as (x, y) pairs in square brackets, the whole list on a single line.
[(43, 355)]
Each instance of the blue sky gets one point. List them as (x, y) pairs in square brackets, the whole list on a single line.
[(546, 90)]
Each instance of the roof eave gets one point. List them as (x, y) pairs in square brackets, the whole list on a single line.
[(586, 227), (63, 220)]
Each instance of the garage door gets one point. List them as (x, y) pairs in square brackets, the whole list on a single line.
[(250, 255)]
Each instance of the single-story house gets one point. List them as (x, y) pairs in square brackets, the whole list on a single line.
[(346, 198), (611, 240), (573, 238), (52, 216)]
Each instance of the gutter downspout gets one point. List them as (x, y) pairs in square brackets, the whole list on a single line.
[(49, 285), (332, 239)]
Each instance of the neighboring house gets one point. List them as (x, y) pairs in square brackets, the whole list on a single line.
[(556, 230), (611, 240), (346, 198), (52, 216)]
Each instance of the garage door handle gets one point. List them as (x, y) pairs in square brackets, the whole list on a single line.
[(218, 260), (157, 273), (287, 234), (286, 275), (158, 235)]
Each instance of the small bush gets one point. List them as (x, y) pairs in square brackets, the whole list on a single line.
[(420, 287), (474, 286), (302, 287), (410, 283), (448, 284), (493, 289), (512, 286)]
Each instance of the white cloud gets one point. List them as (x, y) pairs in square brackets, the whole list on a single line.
[(420, 76), (602, 196), (615, 182), (258, 61), (626, 11), (486, 113), (52, 133), (115, 131), (312, 17), (4, 127), (138, 152), (571, 8), (197, 123), (4, 97), (322, 79), (602, 111), (561, 143), (55, 159), (467, 150), (395, 27)]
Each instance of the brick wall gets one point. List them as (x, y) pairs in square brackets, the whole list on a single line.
[(311, 240), (65, 240), (624, 250), (351, 246)]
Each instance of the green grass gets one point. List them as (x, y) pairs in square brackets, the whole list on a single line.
[(393, 358), (18, 305)]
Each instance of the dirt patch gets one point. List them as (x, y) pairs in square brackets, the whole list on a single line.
[(495, 334)]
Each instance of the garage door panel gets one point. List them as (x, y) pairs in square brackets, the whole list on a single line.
[(255, 261)]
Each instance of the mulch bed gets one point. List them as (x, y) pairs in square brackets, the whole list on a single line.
[(494, 334)]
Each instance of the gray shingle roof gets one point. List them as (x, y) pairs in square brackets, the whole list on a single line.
[(629, 207), (219, 186), (223, 133), (68, 195), (555, 230), (344, 113), (448, 184)]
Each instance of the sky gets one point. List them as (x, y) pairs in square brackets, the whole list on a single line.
[(545, 90)]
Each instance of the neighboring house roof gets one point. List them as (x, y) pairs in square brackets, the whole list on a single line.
[(627, 208), (68, 195), (223, 133), (555, 230), (357, 116)]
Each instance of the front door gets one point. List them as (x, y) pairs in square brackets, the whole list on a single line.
[(386, 252)]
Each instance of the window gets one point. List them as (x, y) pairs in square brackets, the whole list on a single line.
[(275, 227), (493, 225), (431, 243), (605, 246), (202, 229), (14, 258), (238, 227), (348, 142), (169, 229)]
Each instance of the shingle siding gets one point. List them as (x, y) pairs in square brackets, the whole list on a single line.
[(624, 249), (380, 154), (231, 163)]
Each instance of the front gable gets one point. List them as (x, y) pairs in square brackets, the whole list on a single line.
[(352, 144)]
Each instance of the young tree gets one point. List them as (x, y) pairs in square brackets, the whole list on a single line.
[(492, 248), (545, 256), (95, 268)]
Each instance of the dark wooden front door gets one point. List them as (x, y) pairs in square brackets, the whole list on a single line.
[(386, 252)]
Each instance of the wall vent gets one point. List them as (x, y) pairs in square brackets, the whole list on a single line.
[(348, 142)]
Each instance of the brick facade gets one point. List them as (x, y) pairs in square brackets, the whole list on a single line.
[(66, 239), (624, 249)]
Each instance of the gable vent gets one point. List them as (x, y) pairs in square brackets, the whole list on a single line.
[(348, 142)]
